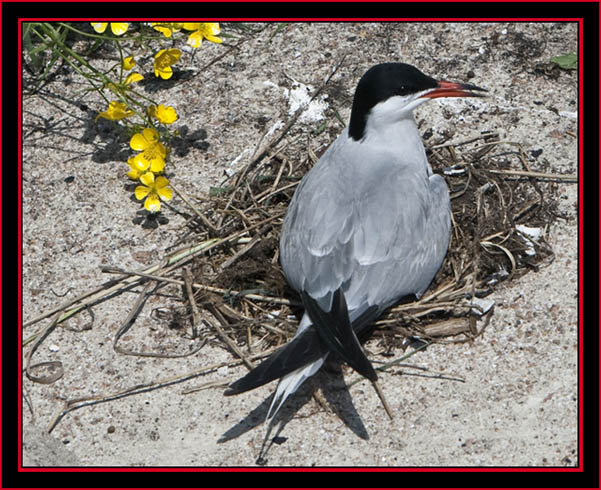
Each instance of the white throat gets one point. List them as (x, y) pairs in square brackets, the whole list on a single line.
[(391, 125)]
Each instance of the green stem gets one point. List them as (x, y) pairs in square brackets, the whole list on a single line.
[(67, 52), (51, 35)]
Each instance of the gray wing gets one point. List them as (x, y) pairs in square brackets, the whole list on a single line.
[(379, 229)]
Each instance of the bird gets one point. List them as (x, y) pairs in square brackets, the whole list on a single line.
[(368, 226)]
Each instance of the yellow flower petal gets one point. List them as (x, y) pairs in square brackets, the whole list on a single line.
[(119, 28), (152, 203), (168, 56), (163, 28), (165, 193), (133, 78), (157, 165), (141, 141), (138, 142), (166, 28), (191, 26), (128, 63), (141, 191), (165, 115), (195, 39), (147, 179), (134, 172), (165, 73), (174, 55), (210, 30), (140, 163), (116, 111), (99, 27), (206, 30), (150, 134)]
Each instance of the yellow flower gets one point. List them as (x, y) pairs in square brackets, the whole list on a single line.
[(118, 28), (128, 63), (134, 172), (152, 154), (165, 115), (133, 78), (163, 61), (153, 190), (167, 28), (144, 162), (116, 111), (206, 30)]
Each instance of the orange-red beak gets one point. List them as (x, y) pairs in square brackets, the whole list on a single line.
[(451, 89)]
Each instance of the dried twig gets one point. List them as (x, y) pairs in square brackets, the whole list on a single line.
[(232, 345), (534, 175), (204, 287), (54, 365), (77, 403), (130, 320)]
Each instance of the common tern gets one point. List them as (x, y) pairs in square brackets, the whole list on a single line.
[(368, 225)]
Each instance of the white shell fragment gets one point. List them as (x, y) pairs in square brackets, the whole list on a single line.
[(300, 96), (528, 234), (483, 305), (454, 170)]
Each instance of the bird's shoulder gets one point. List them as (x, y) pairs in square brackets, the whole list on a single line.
[(351, 171)]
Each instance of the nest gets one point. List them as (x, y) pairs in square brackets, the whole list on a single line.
[(244, 290)]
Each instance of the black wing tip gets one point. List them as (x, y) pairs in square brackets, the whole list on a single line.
[(363, 366), (335, 330), (300, 351), (370, 374), (253, 379), (259, 376)]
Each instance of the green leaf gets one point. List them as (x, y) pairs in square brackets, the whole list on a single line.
[(566, 62)]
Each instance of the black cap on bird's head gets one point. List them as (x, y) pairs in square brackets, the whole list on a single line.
[(381, 82)]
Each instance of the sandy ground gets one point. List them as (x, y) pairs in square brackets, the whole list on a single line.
[(518, 405)]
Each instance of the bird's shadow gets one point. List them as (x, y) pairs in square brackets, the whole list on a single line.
[(332, 385)]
